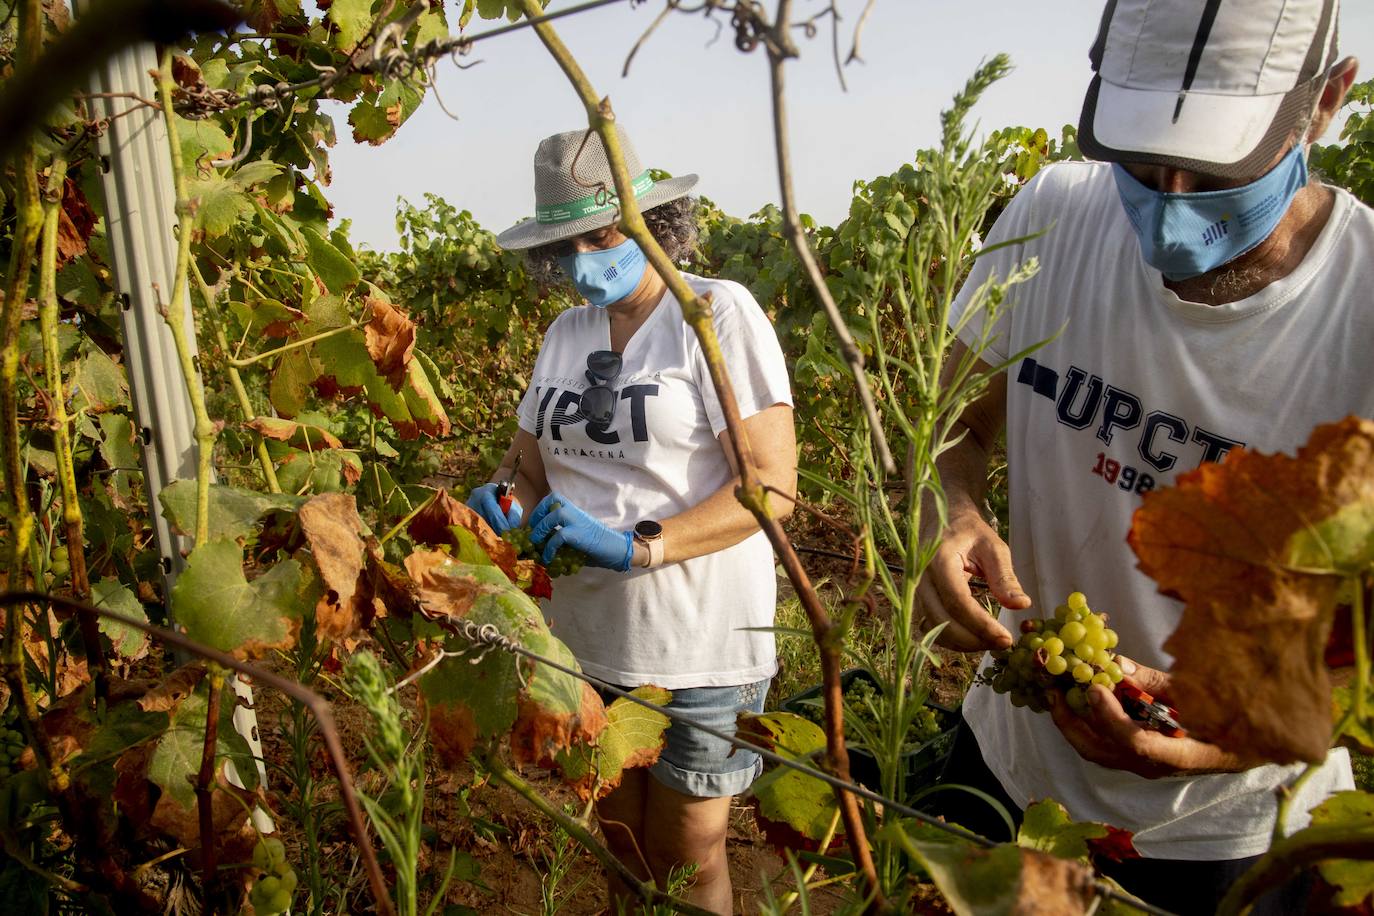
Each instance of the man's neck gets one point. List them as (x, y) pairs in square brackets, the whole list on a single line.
[(1273, 259)]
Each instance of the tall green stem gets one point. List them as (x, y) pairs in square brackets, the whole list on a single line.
[(60, 422), (175, 309)]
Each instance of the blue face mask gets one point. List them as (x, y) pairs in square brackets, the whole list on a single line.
[(1184, 235), (603, 277)]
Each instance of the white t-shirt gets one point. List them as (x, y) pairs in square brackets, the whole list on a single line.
[(679, 624), (1138, 388)]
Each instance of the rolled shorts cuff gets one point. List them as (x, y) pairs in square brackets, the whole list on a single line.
[(706, 785)]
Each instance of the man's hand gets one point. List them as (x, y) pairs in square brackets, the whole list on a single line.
[(970, 547), (1109, 737)]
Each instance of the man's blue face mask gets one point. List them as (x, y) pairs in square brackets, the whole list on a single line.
[(1184, 235), (603, 277)]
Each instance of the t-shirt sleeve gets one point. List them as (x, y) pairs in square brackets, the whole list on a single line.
[(1018, 220), (753, 356)]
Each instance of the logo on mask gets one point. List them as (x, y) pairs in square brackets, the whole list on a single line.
[(1215, 232)]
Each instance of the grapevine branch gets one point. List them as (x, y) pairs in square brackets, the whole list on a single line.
[(61, 428), (697, 313), (318, 706), (205, 781), (1288, 856)]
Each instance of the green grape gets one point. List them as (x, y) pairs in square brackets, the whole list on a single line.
[(1062, 612), (1104, 679), (1084, 651), (59, 553), (1056, 665), (1082, 672), (1020, 697), (1111, 637), (269, 854), (1054, 646), (1035, 642), (1113, 669), (1096, 638), (1072, 633), (1078, 601), (1076, 699), (1094, 622)]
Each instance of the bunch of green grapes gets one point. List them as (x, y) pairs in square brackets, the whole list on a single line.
[(567, 561), (1069, 652), (272, 892), (59, 562), (12, 746)]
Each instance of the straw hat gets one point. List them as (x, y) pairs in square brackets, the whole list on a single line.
[(575, 193)]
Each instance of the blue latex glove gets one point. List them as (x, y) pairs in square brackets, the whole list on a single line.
[(567, 524), (482, 500)]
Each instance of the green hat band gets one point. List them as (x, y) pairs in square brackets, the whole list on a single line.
[(586, 206)]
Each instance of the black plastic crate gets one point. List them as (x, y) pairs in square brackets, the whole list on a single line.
[(922, 766)]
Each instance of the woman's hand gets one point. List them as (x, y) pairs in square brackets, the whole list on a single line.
[(482, 500), (560, 522), (1109, 737)]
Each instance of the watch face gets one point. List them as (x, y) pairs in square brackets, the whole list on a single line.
[(648, 529)]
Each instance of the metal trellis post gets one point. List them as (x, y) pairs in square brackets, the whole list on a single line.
[(140, 221)]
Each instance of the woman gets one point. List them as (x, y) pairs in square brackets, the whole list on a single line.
[(624, 454)]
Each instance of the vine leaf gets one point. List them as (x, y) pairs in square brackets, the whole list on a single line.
[(176, 763), (997, 880), (1048, 828), (333, 267), (1257, 548), (267, 318), (1353, 879), (300, 435), (347, 368), (113, 595), (479, 699), (1357, 734), (434, 525), (234, 512), (633, 738), (217, 605), (333, 532), (390, 338), (322, 472), (795, 810), (352, 18)]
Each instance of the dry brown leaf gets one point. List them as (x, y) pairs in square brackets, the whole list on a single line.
[(390, 339), (167, 695), (1257, 548), (333, 530), (539, 735), (443, 593), (299, 435), (1051, 886), (431, 526)]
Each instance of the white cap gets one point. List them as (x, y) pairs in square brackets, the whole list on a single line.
[(1215, 87)]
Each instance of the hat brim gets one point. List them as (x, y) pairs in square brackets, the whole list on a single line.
[(530, 233), (1225, 135)]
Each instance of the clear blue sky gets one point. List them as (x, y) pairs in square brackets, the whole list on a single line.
[(690, 107)]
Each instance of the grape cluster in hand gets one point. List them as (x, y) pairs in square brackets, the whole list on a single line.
[(272, 893), (12, 746), (1069, 651), (567, 561)]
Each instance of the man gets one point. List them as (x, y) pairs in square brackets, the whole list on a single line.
[(1205, 294)]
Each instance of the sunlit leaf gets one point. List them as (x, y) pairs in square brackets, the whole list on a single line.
[(217, 605), (1257, 548), (289, 389), (1353, 879), (1048, 828), (113, 595), (633, 738), (99, 384), (353, 18), (297, 434), (794, 810), (332, 265), (995, 881), (234, 512)]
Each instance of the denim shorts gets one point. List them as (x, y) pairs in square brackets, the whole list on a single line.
[(701, 765)]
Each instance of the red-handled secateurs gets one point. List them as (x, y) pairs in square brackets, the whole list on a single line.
[(1142, 706), (505, 491)]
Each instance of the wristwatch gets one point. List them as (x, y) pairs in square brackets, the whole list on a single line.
[(650, 534)]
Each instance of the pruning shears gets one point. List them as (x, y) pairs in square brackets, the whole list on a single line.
[(505, 491), (1142, 706)]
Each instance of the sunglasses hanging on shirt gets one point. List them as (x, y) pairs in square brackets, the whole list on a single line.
[(598, 401)]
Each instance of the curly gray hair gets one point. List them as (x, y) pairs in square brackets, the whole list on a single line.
[(673, 225)]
